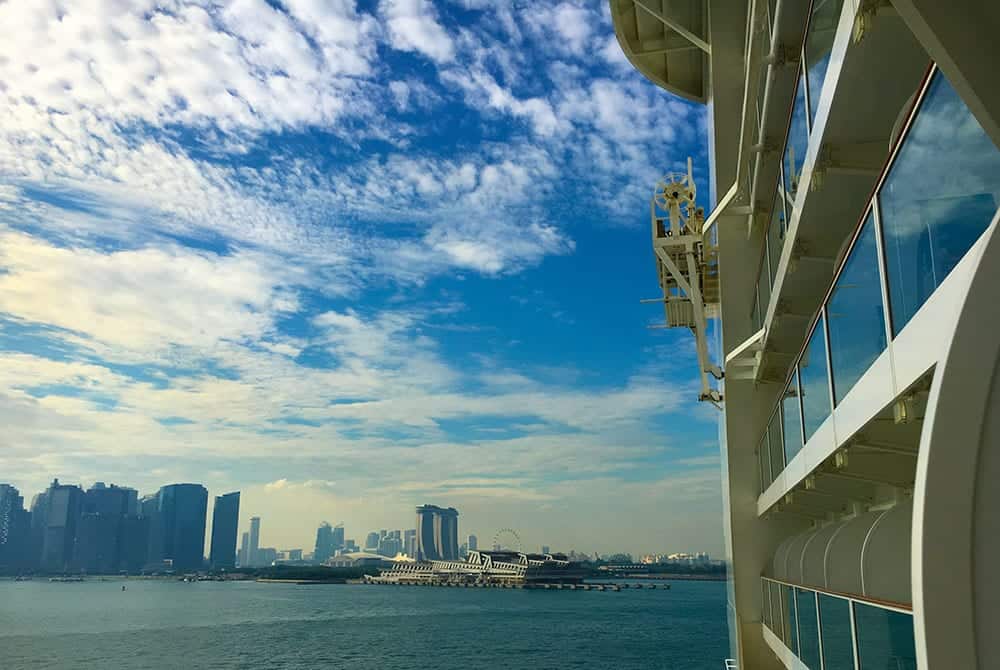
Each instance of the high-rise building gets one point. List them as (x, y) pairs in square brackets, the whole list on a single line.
[(852, 253), (253, 559), (63, 503), (225, 519), (410, 542), (244, 556), (325, 547), (371, 542), (338, 537), (178, 527), (473, 543), (437, 533), (14, 530), (134, 544), (546, 549), (99, 533), (390, 545)]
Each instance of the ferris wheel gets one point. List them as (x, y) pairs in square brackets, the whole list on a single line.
[(507, 539)]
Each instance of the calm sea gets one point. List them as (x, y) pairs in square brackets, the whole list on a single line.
[(165, 624)]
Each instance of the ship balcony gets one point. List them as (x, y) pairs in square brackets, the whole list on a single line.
[(844, 431), (813, 181)]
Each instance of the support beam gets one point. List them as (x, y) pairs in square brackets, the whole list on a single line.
[(675, 26)]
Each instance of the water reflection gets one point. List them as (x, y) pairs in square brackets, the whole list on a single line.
[(856, 315), (939, 197)]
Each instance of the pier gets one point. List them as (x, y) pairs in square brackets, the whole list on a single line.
[(547, 586)]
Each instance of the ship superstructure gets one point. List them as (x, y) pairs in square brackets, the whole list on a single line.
[(850, 256)]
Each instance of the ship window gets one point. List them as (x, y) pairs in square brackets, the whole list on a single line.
[(798, 139), (815, 381), (855, 315), (808, 627), (939, 197), (885, 638), (791, 419), (835, 623), (777, 445), (819, 44)]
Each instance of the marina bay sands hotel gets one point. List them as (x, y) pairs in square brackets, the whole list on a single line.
[(437, 533)]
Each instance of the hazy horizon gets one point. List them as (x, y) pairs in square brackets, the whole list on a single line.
[(349, 258)]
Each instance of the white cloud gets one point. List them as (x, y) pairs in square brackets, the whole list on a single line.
[(413, 26)]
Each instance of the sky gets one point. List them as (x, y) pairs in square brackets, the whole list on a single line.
[(348, 258)]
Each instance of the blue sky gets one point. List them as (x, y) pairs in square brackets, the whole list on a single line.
[(348, 258)]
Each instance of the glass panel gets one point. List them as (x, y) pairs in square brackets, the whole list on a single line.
[(791, 420), (763, 287), (775, 236), (819, 44), (798, 138), (778, 607), (855, 314), (764, 458), (777, 446), (885, 638), (808, 628), (835, 622), (790, 625), (765, 604), (815, 381), (755, 319), (938, 198)]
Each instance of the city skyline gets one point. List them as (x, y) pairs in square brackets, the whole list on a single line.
[(266, 536), (380, 265)]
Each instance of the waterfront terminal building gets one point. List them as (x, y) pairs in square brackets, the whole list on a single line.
[(849, 264), (484, 568)]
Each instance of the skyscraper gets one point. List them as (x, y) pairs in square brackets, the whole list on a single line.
[(225, 519), (252, 551), (63, 504), (437, 533), (371, 542), (14, 529), (178, 529), (473, 543), (410, 542), (244, 557), (99, 532), (328, 541)]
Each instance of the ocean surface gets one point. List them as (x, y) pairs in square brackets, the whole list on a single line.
[(167, 624)]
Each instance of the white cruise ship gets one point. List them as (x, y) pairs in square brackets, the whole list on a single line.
[(843, 286)]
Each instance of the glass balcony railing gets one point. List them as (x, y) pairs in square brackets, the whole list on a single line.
[(815, 58), (940, 192), (835, 631)]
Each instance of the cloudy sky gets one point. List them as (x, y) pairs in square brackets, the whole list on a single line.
[(347, 257)]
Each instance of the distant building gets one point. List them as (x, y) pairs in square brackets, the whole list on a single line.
[(437, 533), (293, 555), (473, 543), (410, 542), (225, 520), (99, 531), (324, 542), (15, 530), (371, 543), (266, 556), (350, 546), (545, 549), (62, 512), (177, 531), (390, 545), (134, 543), (253, 559), (244, 556)]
